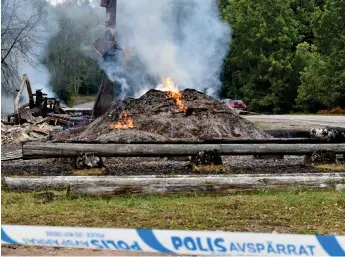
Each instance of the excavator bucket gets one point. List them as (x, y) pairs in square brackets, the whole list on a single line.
[(102, 47), (106, 48), (104, 3), (104, 97)]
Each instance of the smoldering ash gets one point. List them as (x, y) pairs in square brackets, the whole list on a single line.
[(185, 40)]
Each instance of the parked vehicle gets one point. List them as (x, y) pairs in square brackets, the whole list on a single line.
[(235, 104)]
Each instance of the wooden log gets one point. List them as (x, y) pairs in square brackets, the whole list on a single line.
[(10, 156), (26, 114), (33, 150), (61, 121), (212, 141), (68, 117), (112, 185), (40, 121)]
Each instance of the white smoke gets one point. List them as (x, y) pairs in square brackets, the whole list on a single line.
[(182, 39), (38, 74), (7, 104)]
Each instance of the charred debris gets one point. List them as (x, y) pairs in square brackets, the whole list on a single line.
[(38, 117)]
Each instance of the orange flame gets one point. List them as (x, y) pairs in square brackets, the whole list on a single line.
[(169, 85), (177, 96), (126, 122)]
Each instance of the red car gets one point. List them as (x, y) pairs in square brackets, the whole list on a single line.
[(235, 104)]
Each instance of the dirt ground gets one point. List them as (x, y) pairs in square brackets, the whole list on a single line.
[(160, 166), (49, 251)]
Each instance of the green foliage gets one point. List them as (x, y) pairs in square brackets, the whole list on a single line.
[(286, 55), (260, 55), (323, 80), (73, 71)]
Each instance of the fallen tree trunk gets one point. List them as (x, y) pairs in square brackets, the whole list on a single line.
[(110, 185), (67, 150)]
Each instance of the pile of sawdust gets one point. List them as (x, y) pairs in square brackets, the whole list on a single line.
[(158, 118)]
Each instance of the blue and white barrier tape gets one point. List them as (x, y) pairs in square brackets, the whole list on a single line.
[(171, 241)]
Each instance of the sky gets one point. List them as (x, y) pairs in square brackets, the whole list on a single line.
[(56, 1)]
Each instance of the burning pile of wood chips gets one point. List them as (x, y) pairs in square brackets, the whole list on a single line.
[(156, 116)]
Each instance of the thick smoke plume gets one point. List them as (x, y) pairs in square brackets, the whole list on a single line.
[(38, 74), (182, 39)]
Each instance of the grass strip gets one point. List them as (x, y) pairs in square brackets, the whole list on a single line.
[(294, 211)]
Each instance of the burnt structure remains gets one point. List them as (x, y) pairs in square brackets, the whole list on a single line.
[(39, 104)]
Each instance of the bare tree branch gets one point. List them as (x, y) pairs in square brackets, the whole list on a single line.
[(21, 23)]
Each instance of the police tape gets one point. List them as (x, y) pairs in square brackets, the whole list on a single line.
[(174, 241)]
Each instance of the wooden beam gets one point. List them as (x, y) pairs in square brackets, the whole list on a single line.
[(112, 185), (10, 156), (33, 150), (212, 141)]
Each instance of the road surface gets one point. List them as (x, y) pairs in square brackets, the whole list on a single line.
[(296, 121), (85, 105)]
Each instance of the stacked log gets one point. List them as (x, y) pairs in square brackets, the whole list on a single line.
[(33, 150), (112, 185)]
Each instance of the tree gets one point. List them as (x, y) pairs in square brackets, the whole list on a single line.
[(323, 80), (72, 71), (286, 55), (265, 33), (20, 27), (312, 95)]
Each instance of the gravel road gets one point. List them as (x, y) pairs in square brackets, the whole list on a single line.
[(296, 121), (85, 105)]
